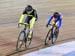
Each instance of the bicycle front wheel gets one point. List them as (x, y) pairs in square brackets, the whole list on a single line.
[(28, 42), (47, 39), (20, 41)]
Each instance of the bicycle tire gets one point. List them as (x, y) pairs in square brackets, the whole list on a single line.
[(20, 41), (47, 37), (28, 42), (54, 38)]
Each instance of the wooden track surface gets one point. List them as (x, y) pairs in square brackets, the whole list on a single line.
[(10, 11)]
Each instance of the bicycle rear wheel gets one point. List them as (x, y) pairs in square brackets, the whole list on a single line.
[(20, 41), (54, 38), (28, 42), (47, 39)]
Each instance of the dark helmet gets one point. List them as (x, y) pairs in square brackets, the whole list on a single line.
[(56, 14), (29, 8)]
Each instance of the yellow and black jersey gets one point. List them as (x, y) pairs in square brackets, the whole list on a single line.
[(32, 14)]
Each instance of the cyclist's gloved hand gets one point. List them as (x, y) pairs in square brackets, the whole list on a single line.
[(18, 25), (47, 25), (35, 19)]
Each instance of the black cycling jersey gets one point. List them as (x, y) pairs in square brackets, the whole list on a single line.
[(33, 13)]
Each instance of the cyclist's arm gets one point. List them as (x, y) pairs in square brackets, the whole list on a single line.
[(35, 15), (60, 23), (22, 17), (49, 21)]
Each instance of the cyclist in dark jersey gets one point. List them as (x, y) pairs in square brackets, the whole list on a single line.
[(30, 19)]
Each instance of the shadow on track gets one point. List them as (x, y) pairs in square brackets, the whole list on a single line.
[(41, 46), (15, 52)]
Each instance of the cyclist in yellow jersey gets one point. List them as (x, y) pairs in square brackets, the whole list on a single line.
[(30, 19)]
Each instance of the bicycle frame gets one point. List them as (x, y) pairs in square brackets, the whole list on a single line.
[(23, 37), (25, 26), (25, 30), (53, 26), (51, 35)]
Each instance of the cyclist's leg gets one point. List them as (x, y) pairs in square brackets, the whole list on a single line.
[(32, 22), (56, 32)]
